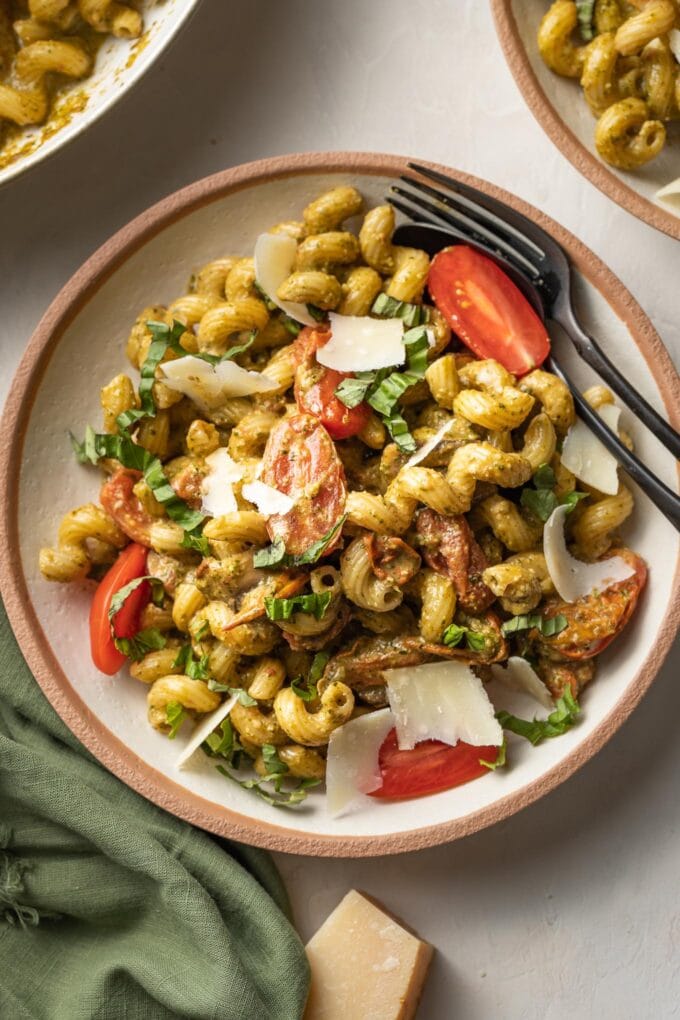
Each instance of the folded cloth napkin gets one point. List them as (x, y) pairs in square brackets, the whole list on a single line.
[(111, 908)]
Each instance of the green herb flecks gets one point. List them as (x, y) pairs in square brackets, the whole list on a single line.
[(389, 308), (549, 627), (314, 604), (536, 730), (275, 555), (542, 499), (585, 10), (175, 715)]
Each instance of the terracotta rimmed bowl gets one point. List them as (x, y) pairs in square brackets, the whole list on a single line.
[(119, 65), (78, 346), (560, 108)]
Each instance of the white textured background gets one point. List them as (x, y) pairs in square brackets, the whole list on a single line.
[(571, 908)]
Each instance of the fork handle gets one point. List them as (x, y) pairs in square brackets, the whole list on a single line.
[(593, 355), (664, 498)]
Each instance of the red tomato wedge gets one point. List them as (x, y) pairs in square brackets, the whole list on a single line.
[(486, 310), (130, 564), (122, 505), (429, 767), (300, 460), (595, 620), (315, 387)]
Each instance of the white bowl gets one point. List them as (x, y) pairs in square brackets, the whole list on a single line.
[(562, 111), (119, 64), (78, 347)]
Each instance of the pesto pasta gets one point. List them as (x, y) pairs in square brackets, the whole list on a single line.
[(626, 56), (285, 516)]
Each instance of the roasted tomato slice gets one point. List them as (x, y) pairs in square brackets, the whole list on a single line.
[(595, 620), (449, 547), (315, 387), (300, 460), (429, 767), (486, 310), (391, 558), (130, 564), (122, 505)]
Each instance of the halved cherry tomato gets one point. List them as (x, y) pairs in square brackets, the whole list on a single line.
[(315, 387), (429, 767), (122, 505), (300, 460), (486, 310), (130, 564), (595, 620)]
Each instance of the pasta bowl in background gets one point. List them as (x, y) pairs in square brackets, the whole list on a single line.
[(561, 109), (78, 346), (119, 64)]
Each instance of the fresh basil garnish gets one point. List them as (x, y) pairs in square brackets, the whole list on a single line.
[(548, 627), (136, 647), (500, 760), (275, 555), (542, 500), (585, 10), (314, 603), (536, 730), (175, 715), (389, 308), (454, 634)]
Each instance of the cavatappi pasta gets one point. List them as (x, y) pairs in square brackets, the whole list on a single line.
[(46, 45), (626, 56), (296, 611)]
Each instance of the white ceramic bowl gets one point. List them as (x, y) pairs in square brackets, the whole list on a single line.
[(560, 108), (78, 346), (119, 64)]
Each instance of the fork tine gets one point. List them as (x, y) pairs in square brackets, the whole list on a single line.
[(530, 231), (472, 230), (477, 213), (414, 213)]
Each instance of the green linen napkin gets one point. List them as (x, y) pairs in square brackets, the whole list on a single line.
[(111, 908)]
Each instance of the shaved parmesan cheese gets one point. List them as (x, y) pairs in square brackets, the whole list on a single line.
[(361, 344), (574, 579), (216, 487), (674, 42), (352, 768), (268, 500), (274, 262), (210, 385), (427, 448), (519, 676), (670, 194), (204, 729), (441, 701), (586, 457)]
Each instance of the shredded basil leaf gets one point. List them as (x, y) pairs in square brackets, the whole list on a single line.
[(313, 603), (317, 313), (119, 598), (175, 715), (318, 666), (278, 798), (536, 730), (398, 429), (389, 308), (500, 760), (352, 391), (541, 502), (291, 325), (542, 499), (548, 627), (275, 555), (197, 669), (544, 477), (144, 641), (454, 634), (304, 689), (271, 306), (270, 756), (225, 744), (196, 540), (572, 499), (585, 10), (163, 337)]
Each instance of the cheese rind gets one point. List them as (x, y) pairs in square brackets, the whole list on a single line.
[(365, 965)]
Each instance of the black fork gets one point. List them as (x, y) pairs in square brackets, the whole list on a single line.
[(540, 268)]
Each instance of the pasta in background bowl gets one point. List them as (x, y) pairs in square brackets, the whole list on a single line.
[(225, 214), (62, 65), (562, 110)]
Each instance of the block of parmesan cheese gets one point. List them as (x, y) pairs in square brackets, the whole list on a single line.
[(365, 965)]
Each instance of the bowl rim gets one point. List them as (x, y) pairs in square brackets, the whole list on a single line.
[(587, 164), (154, 785), (137, 71)]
